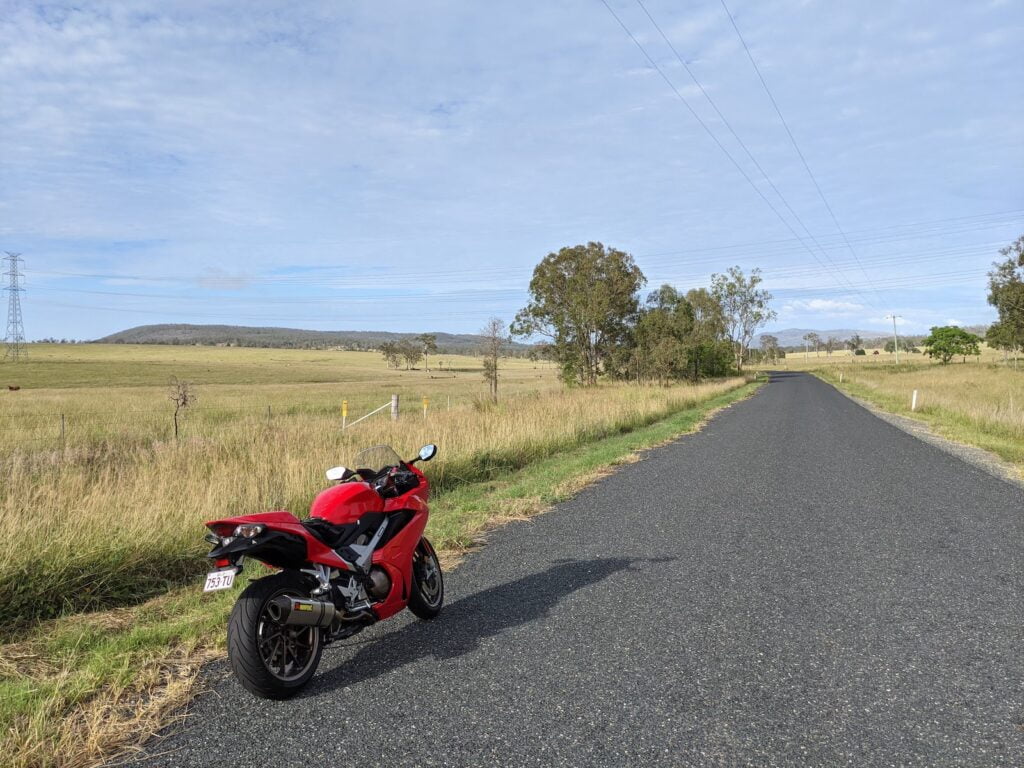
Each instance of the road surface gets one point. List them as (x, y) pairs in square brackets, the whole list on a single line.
[(798, 584)]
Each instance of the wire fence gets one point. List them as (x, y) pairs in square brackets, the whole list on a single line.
[(53, 429)]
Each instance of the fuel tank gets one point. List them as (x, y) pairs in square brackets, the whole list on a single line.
[(346, 503)]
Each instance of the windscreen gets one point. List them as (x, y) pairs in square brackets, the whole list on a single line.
[(376, 458)]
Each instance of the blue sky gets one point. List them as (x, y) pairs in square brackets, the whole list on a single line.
[(403, 166)]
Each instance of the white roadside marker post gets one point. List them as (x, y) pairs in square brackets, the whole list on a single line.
[(913, 401)]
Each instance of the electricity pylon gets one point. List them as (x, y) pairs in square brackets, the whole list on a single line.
[(16, 349)]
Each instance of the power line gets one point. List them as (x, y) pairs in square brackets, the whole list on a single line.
[(714, 138), (951, 277), (490, 295), (16, 349), (796, 146), (870, 236), (736, 136)]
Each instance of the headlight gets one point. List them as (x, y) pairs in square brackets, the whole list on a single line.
[(248, 530)]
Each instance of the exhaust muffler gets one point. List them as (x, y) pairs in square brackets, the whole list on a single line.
[(304, 612)]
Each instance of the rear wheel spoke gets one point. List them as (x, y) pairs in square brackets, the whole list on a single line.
[(287, 651)]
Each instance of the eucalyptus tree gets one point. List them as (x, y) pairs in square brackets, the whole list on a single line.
[(1006, 294), (495, 339), (428, 344), (745, 307), (584, 301), (770, 346)]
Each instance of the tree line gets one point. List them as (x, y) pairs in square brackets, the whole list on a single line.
[(587, 307), (411, 351)]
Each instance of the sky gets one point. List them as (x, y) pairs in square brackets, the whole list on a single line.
[(404, 165)]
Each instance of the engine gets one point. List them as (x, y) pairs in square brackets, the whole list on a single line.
[(379, 583)]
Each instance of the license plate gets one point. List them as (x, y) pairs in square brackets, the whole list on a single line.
[(217, 580)]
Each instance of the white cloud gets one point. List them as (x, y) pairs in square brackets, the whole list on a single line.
[(951, 321), (246, 143)]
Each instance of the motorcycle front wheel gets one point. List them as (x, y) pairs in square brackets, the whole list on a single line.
[(270, 659), (427, 596)]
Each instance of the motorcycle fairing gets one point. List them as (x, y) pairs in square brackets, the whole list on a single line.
[(347, 503), (281, 521)]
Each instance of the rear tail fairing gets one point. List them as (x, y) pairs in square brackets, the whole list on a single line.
[(283, 543)]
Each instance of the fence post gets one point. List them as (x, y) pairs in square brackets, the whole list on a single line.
[(394, 407), (426, 403), (913, 401), (62, 429), (449, 402), (268, 413), (344, 414)]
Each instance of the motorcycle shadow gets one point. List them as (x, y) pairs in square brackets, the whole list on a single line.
[(464, 623)]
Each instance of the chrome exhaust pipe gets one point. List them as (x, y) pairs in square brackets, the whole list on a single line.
[(301, 611)]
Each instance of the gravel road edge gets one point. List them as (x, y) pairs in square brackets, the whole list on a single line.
[(977, 457)]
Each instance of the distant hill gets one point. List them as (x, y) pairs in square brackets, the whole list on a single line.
[(794, 337), (286, 338)]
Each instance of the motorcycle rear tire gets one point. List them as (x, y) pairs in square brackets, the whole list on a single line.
[(248, 626)]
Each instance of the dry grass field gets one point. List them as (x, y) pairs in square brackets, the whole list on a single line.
[(103, 627), (120, 392), (122, 501)]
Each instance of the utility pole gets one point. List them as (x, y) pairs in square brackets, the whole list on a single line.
[(16, 349), (895, 338)]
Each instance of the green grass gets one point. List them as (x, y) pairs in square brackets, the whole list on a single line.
[(82, 686)]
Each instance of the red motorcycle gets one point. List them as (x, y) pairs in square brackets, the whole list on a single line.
[(360, 557)]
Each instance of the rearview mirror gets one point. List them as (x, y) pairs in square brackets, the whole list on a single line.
[(427, 452), (335, 474)]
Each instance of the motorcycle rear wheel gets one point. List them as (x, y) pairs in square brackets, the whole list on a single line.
[(272, 660), (427, 596)]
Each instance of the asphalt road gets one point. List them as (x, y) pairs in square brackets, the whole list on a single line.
[(798, 584)]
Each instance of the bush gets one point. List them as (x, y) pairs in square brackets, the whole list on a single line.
[(860, 352)]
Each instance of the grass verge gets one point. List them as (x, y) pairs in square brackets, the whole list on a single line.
[(82, 688)]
